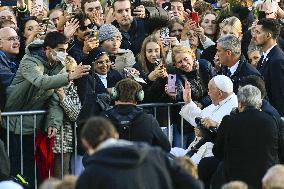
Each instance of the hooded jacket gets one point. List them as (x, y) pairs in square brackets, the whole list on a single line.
[(120, 164), (33, 89)]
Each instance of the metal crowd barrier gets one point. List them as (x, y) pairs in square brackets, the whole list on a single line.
[(7, 115)]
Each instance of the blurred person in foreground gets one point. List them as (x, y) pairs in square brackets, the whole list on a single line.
[(274, 178), (114, 163)]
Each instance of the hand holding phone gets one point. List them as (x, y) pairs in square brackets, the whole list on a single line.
[(194, 17), (165, 34), (171, 83)]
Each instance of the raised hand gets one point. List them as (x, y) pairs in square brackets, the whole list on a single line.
[(189, 25), (209, 123), (186, 15), (186, 90), (200, 33), (139, 12), (109, 15), (89, 44), (71, 27), (79, 72), (98, 18)]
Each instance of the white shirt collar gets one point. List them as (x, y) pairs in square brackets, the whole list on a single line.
[(103, 78), (234, 68), (226, 99), (268, 50)]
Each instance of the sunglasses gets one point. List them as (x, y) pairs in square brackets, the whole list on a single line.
[(83, 28)]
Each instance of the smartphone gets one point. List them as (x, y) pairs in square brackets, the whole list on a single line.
[(167, 6), (164, 34), (187, 5), (93, 34), (172, 83), (194, 17), (134, 4), (158, 62)]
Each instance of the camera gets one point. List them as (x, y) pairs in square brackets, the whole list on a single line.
[(43, 20), (92, 34), (150, 12), (158, 62), (134, 4), (198, 121)]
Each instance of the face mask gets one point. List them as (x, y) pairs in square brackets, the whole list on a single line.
[(60, 56)]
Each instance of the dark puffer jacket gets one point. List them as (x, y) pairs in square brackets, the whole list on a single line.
[(124, 165)]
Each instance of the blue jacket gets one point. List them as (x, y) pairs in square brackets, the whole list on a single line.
[(134, 38), (8, 68), (272, 71), (244, 69), (76, 50), (86, 84), (268, 108)]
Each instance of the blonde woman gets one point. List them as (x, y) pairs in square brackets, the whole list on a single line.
[(231, 25), (187, 70)]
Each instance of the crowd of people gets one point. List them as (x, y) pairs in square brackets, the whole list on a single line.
[(90, 63)]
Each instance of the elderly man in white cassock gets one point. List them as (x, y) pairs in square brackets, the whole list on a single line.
[(220, 90)]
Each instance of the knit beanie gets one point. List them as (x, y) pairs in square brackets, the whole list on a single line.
[(108, 31)]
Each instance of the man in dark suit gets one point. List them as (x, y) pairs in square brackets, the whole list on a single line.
[(247, 141), (271, 65), (235, 65)]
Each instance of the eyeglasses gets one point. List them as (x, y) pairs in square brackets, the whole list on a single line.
[(83, 28), (13, 38), (108, 62)]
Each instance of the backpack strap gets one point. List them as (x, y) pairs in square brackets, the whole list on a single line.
[(125, 122)]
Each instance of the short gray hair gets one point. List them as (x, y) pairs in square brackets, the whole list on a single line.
[(232, 43), (253, 47), (250, 96), (274, 177)]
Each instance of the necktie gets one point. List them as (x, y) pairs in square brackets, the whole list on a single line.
[(229, 73), (260, 62)]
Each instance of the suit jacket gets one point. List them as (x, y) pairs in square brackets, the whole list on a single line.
[(244, 69), (272, 71), (248, 144)]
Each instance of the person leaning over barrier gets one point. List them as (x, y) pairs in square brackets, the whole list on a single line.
[(41, 71), (116, 163)]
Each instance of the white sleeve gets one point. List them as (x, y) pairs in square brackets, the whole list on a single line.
[(204, 151), (207, 43), (189, 112)]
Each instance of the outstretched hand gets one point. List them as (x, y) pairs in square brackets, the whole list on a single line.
[(186, 90)]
